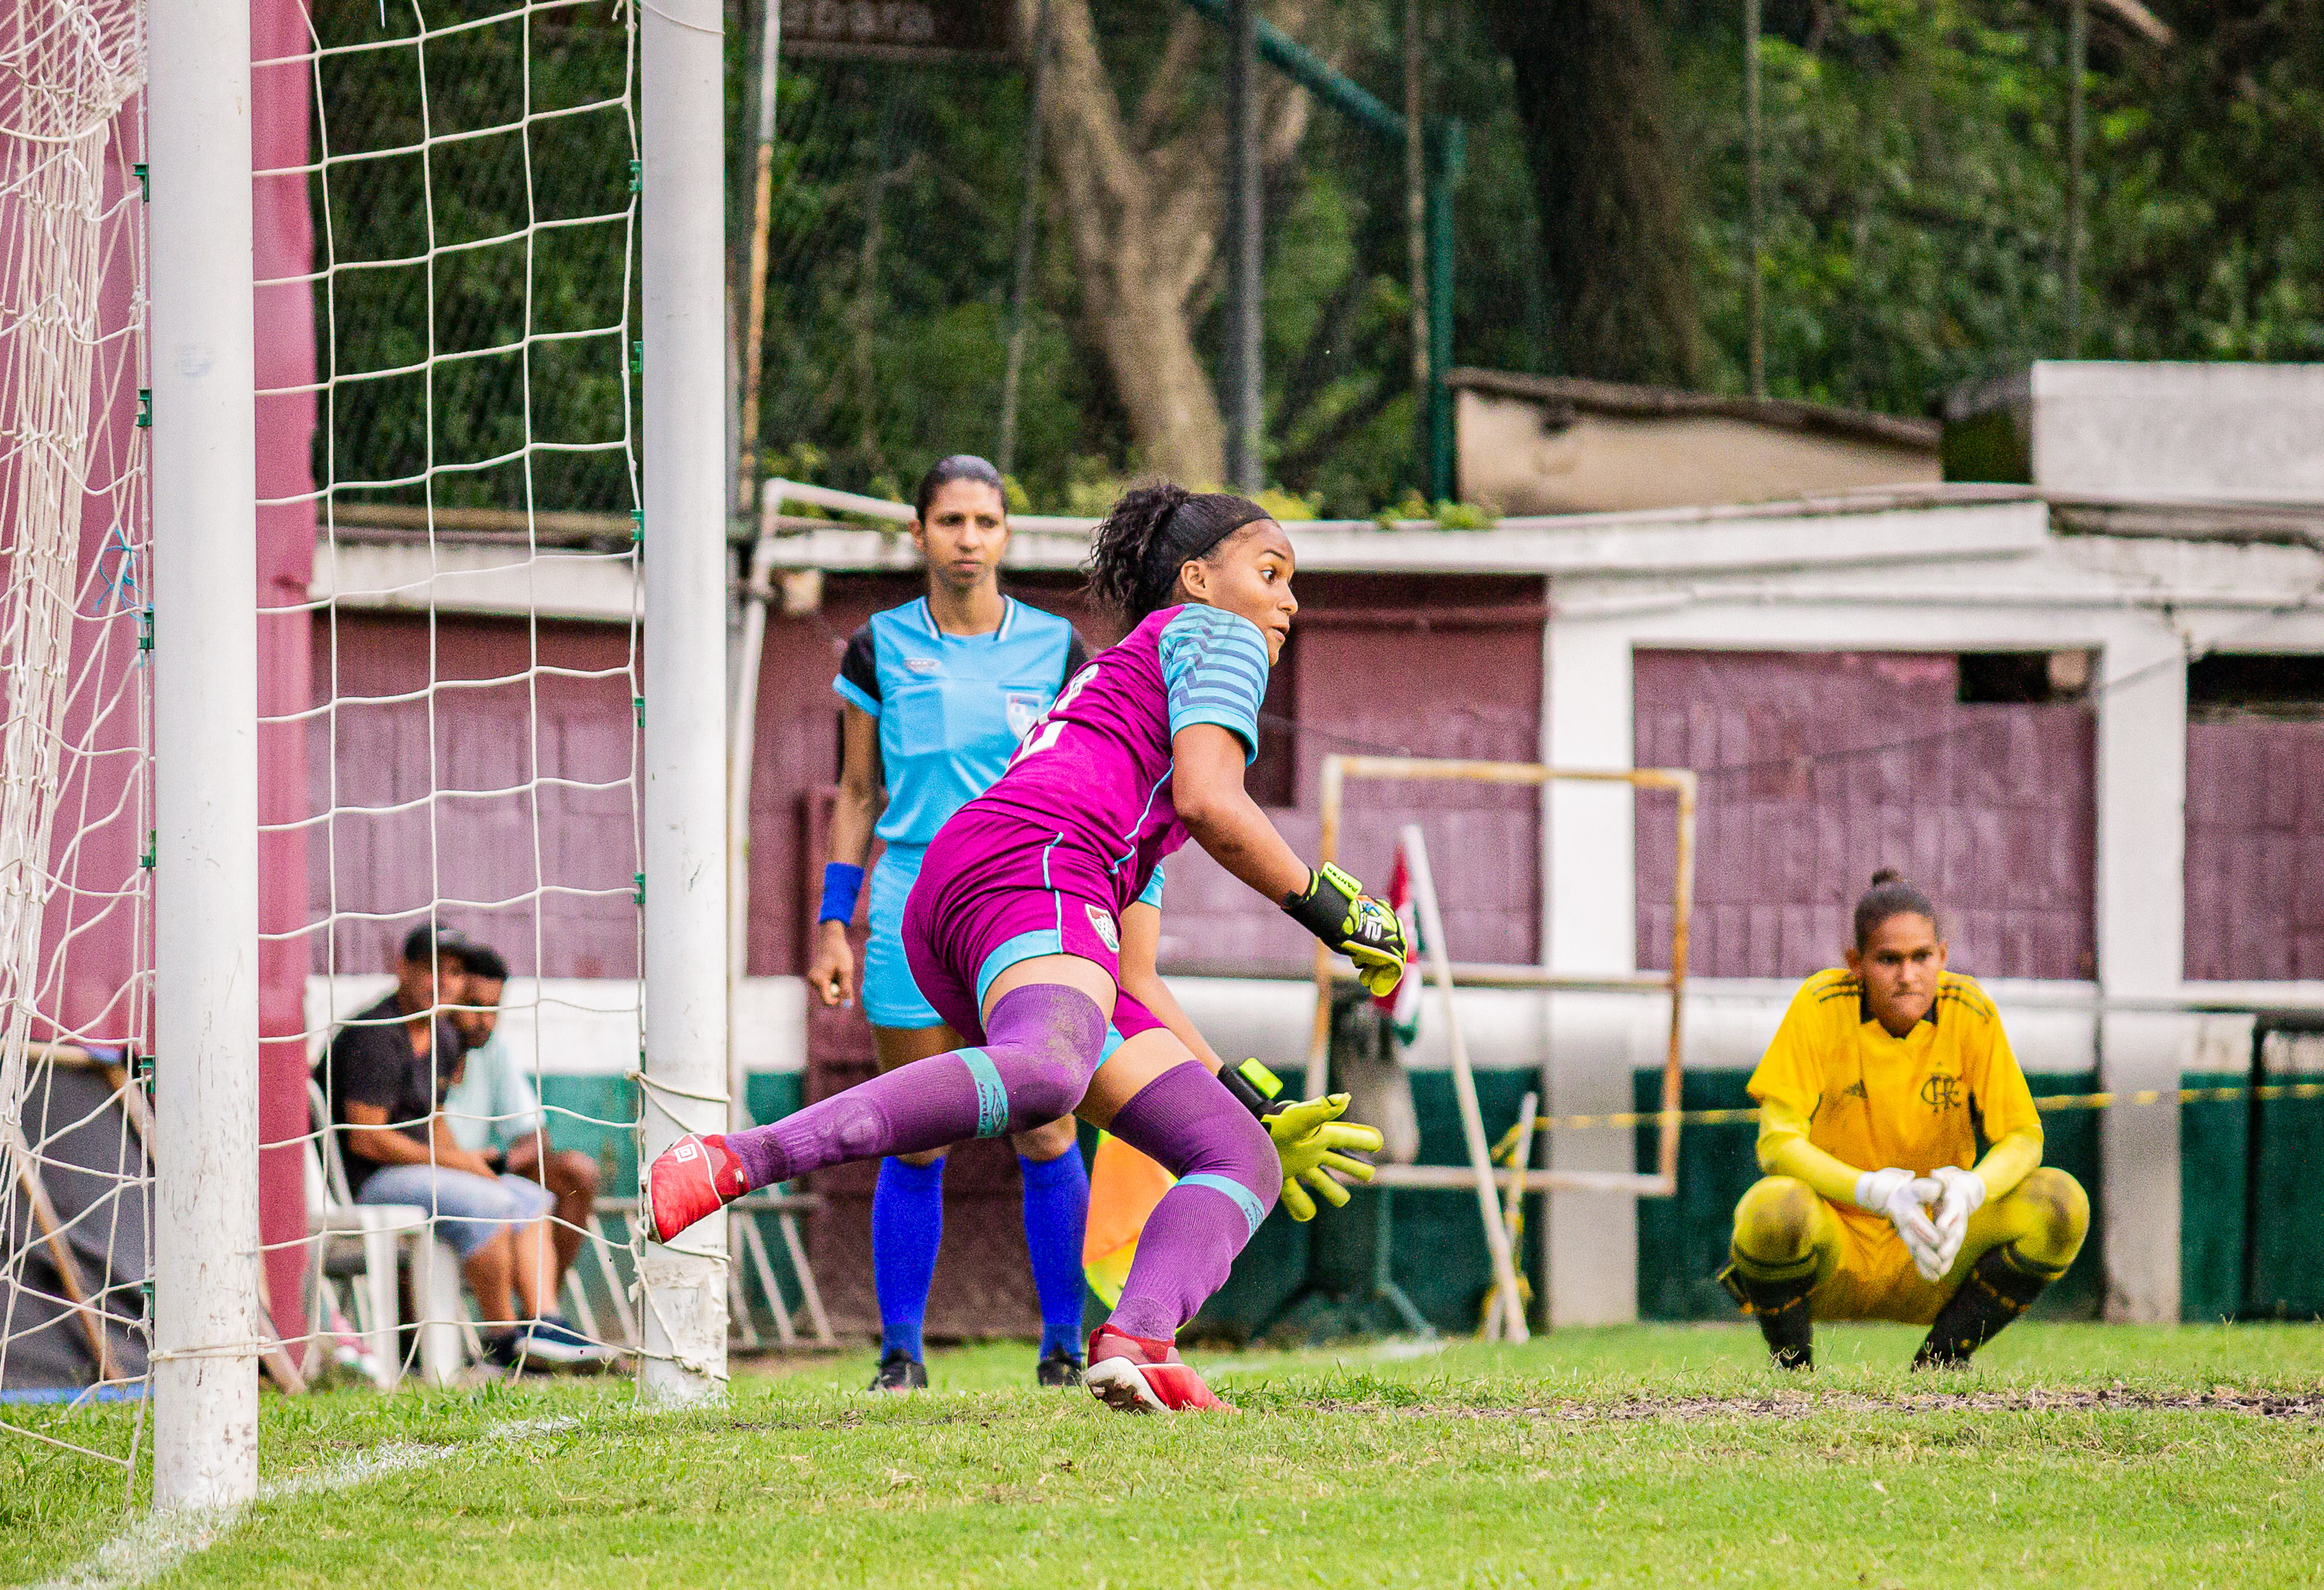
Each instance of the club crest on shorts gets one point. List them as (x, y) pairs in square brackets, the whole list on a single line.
[(1102, 922), (1025, 708)]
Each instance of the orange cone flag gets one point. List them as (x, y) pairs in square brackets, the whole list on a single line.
[(1124, 1188)]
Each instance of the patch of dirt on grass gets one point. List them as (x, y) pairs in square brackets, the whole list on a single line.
[(1805, 1404)]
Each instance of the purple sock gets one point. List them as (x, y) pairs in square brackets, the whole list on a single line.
[(1042, 1044), (1229, 1177)]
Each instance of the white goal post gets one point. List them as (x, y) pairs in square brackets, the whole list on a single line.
[(209, 1327), (205, 463), (681, 123)]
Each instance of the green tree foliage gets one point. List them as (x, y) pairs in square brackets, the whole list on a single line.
[(1915, 180), (1916, 174), (1592, 90), (890, 248), (474, 202), (1916, 166), (2208, 212)]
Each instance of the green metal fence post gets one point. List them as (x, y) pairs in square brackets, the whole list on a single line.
[(1448, 146)]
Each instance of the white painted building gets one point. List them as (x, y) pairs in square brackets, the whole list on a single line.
[(2214, 547)]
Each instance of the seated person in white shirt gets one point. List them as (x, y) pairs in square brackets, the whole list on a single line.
[(495, 1111)]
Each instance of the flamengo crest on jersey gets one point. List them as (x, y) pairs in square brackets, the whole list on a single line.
[(1096, 768)]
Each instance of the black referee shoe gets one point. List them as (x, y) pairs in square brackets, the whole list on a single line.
[(1058, 1369), (899, 1371)]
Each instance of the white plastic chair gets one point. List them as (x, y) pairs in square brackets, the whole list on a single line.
[(381, 1230)]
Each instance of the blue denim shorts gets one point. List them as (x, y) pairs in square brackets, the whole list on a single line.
[(467, 1208)]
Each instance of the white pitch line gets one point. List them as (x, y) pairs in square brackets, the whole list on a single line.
[(1393, 1351), (159, 1542)]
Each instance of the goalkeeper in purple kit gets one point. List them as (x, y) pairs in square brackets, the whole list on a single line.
[(1025, 933)]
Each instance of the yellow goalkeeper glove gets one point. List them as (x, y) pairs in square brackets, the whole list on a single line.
[(1334, 907), (1312, 1141)]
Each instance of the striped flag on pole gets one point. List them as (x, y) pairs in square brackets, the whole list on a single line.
[(1402, 1003)]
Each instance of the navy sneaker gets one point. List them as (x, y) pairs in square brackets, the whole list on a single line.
[(899, 1371), (552, 1337), (546, 1345), (505, 1349)]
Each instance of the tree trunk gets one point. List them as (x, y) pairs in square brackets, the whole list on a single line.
[(1592, 90), (1143, 215)]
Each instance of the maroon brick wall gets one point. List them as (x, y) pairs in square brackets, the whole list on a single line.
[(1434, 666), (1991, 808), (405, 762), (2255, 849)]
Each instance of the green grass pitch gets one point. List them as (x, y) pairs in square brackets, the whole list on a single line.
[(2072, 1455)]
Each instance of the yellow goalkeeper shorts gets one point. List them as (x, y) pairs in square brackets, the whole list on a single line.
[(1862, 1269), (1872, 1276)]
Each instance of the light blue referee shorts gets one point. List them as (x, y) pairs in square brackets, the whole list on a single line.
[(891, 997)]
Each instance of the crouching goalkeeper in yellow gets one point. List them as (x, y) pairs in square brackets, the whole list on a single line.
[(1904, 1156)]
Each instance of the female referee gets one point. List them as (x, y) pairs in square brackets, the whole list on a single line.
[(1874, 1096), (1026, 933), (939, 694)]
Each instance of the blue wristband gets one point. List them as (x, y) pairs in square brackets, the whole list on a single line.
[(841, 884)]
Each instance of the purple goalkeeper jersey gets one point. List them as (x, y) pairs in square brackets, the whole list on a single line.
[(1096, 768)]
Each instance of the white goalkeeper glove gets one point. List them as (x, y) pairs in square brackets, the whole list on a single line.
[(1964, 1194), (1899, 1195)]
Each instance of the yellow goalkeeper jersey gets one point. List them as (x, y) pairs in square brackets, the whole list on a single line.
[(1937, 1096)]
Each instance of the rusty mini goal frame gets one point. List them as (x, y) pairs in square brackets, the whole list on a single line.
[(1337, 770)]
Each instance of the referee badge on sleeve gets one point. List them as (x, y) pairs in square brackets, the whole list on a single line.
[(1102, 922)]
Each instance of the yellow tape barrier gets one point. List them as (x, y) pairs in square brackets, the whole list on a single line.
[(2046, 1104)]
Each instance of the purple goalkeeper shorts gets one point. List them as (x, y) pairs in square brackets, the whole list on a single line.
[(995, 889)]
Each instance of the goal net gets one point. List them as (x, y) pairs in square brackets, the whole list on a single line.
[(75, 798), (455, 733), (472, 649)]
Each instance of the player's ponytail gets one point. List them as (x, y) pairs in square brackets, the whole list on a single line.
[(960, 466), (1890, 895), (1152, 532)]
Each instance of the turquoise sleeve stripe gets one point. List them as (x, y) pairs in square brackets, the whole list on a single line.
[(1151, 894), (1225, 656), (1238, 724), (992, 1097), (1245, 1199), (847, 692), (1214, 666)]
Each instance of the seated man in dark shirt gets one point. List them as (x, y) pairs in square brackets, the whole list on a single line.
[(386, 1073), (495, 1111)]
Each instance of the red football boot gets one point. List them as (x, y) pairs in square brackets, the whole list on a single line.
[(1133, 1375), (695, 1176)]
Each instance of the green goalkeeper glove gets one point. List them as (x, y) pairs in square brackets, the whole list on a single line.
[(1312, 1142), (1334, 907)]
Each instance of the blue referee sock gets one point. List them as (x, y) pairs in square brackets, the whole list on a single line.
[(1057, 1213), (907, 1230)]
